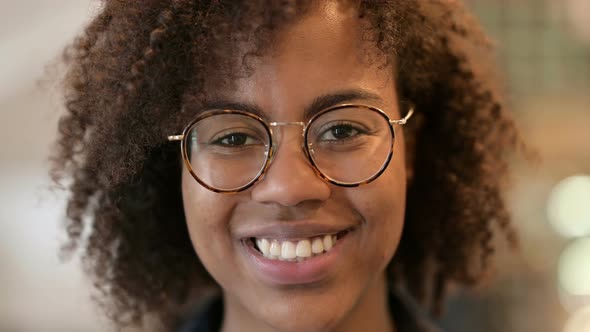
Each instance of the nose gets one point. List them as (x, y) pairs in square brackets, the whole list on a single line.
[(291, 179)]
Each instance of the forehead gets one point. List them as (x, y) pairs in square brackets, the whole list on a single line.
[(322, 53)]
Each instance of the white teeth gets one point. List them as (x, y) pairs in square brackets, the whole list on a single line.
[(288, 250), (264, 246), (317, 246), (275, 248), (328, 242), (301, 250)]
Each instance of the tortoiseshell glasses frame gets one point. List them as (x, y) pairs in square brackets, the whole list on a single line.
[(270, 146)]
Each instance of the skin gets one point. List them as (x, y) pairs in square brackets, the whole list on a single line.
[(317, 55)]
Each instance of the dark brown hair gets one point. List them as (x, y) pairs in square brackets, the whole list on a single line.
[(138, 62)]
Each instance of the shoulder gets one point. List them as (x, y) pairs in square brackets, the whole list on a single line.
[(207, 319)]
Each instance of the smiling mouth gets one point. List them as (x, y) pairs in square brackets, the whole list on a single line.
[(296, 250)]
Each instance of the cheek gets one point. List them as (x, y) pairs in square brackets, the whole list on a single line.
[(207, 215), (382, 204)]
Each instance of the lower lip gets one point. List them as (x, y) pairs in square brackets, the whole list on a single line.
[(308, 271)]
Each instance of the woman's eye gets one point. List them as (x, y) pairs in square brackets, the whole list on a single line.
[(235, 139), (339, 132)]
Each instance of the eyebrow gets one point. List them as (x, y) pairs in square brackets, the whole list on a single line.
[(318, 104)]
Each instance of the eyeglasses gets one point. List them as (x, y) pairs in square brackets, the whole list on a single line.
[(348, 145)]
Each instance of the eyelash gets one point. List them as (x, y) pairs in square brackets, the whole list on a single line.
[(358, 132)]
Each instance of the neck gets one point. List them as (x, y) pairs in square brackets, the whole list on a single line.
[(371, 313)]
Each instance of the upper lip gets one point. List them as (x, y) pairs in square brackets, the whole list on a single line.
[(290, 230)]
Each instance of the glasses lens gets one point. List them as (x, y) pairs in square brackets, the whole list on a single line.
[(227, 151), (350, 145)]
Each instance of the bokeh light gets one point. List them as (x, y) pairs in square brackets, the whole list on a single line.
[(578, 12), (568, 207), (574, 268), (579, 322)]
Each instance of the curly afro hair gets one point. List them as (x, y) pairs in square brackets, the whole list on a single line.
[(136, 64)]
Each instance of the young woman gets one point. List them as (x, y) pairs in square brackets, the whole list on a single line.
[(283, 165)]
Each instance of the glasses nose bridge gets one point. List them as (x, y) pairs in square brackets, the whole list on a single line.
[(277, 124), (283, 123), (278, 136)]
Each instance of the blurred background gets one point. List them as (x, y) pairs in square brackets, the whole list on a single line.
[(544, 47)]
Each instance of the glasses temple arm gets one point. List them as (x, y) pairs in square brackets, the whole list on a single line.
[(176, 138), (405, 118)]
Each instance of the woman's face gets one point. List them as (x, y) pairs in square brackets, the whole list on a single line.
[(319, 56)]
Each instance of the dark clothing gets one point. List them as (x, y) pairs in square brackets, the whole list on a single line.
[(407, 316)]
